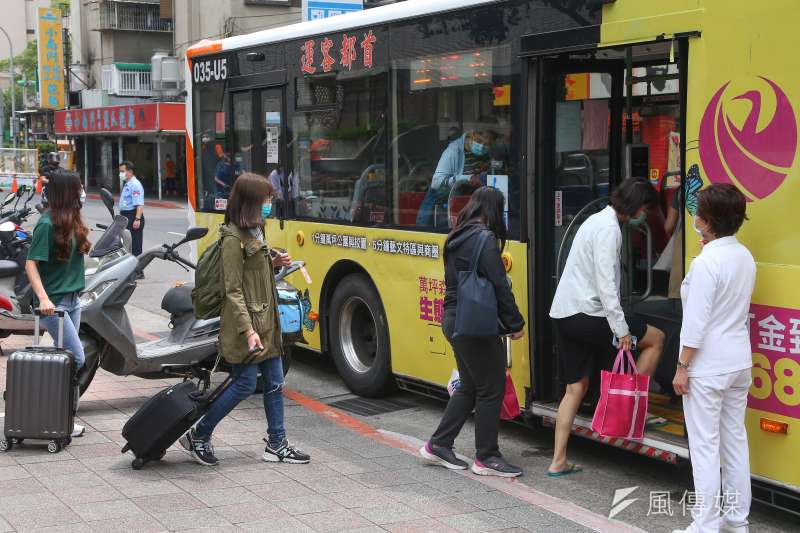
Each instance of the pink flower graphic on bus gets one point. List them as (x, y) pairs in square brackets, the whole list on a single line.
[(758, 155)]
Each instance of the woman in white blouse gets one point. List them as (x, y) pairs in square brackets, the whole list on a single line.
[(714, 367)]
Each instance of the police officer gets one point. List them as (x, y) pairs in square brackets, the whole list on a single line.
[(131, 204)]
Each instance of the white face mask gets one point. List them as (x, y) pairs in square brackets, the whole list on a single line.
[(82, 199), (695, 228), (122, 176)]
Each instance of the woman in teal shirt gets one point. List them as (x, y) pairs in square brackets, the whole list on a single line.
[(55, 261)]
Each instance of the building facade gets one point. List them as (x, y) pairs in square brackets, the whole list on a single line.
[(127, 59)]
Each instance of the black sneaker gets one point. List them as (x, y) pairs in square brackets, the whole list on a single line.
[(445, 457), (495, 466), (285, 453), (201, 450)]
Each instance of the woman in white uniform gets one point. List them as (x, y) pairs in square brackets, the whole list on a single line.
[(714, 367)]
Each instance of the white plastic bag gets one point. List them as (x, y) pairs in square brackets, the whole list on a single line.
[(454, 383)]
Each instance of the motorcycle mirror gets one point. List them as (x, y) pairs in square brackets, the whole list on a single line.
[(8, 199), (7, 231), (108, 200), (194, 233)]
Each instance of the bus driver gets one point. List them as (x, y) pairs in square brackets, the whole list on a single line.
[(465, 156)]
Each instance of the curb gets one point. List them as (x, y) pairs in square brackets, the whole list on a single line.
[(161, 204)]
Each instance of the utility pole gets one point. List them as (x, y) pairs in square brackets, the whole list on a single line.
[(13, 89)]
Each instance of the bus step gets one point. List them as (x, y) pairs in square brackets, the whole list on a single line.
[(657, 445)]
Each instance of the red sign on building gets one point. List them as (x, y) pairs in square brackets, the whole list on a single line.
[(134, 118)]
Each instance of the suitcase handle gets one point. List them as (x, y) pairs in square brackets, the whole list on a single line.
[(36, 328)]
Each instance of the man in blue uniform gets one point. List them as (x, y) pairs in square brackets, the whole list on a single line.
[(131, 205)]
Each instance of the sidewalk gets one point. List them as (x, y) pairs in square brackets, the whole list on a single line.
[(360, 479)]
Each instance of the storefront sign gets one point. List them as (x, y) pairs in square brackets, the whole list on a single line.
[(51, 58), (320, 9), (136, 118)]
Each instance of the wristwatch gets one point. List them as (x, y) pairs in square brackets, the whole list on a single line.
[(684, 366)]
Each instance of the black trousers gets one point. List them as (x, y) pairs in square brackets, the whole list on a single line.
[(136, 234), (482, 370)]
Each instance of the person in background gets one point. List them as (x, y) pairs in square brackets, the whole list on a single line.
[(587, 310), (55, 266), (170, 176), (249, 324), (715, 364), (131, 205), (51, 164), (224, 175), (464, 156), (481, 361)]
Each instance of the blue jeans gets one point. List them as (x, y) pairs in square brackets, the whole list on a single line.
[(72, 323), (242, 386)]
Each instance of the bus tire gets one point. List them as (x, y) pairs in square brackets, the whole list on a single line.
[(359, 336)]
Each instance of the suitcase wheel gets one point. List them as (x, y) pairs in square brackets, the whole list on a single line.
[(6, 445), (137, 463), (54, 446)]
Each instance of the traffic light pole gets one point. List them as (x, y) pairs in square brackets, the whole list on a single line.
[(13, 90)]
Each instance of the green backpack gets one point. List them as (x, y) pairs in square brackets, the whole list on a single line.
[(209, 290)]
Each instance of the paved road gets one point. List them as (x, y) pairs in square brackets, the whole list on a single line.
[(364, 471)]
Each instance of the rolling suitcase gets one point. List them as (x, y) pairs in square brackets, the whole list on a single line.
[(40, 393), (164, 418)]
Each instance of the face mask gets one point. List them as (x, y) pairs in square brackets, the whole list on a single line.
[(478, 149), (638, 221), (82, 198), (122, 176), (696, 229), (266, 210)]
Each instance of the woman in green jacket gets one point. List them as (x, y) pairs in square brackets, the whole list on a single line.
[(250, 323)]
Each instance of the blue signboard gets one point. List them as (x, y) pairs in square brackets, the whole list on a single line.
[(320, 9)]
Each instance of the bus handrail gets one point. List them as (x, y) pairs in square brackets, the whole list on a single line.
[(569, 229)]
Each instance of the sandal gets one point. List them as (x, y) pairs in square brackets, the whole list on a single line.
[(570, 469)]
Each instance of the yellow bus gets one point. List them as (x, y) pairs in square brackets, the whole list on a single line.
[(361, 120)]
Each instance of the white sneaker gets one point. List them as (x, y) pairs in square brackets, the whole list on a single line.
[(77, 431)]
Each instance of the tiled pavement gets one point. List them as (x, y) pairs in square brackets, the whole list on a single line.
[(353, 483)]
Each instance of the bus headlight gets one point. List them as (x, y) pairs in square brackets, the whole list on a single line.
[(88, 297)]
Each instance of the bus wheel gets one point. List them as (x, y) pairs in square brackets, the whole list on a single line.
[(359, 336)]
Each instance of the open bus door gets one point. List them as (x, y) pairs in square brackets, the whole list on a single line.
[(581, 153)]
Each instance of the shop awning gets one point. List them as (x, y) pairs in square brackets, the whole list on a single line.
[(133, 119)]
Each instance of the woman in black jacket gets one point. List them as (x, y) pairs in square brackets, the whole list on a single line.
[(481, 360)]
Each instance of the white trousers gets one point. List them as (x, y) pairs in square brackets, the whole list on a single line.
[(714, 411)]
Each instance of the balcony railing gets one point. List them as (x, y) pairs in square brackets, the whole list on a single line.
[(132, 16), (127, 80)]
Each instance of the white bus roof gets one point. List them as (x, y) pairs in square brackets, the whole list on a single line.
[(367, 17)]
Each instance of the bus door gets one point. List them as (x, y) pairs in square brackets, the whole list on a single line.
[(257, 129), (578, 152)]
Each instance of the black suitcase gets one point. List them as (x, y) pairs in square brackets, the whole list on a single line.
[(164, 418), (40, 393)]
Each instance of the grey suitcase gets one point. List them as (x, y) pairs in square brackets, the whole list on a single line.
[(40, 393)]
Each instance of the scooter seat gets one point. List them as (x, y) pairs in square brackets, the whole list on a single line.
[(9, 268), (178, 300)]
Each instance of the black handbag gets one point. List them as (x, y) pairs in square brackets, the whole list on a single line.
[(476, 302)]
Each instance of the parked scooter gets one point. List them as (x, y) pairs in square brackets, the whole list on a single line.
[(190, 350), (16, 294)]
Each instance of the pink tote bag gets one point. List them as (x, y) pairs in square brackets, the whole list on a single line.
[(622, 409)]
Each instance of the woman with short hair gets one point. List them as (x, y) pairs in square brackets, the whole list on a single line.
[(714, 367), (588, 313), (250, 331)]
